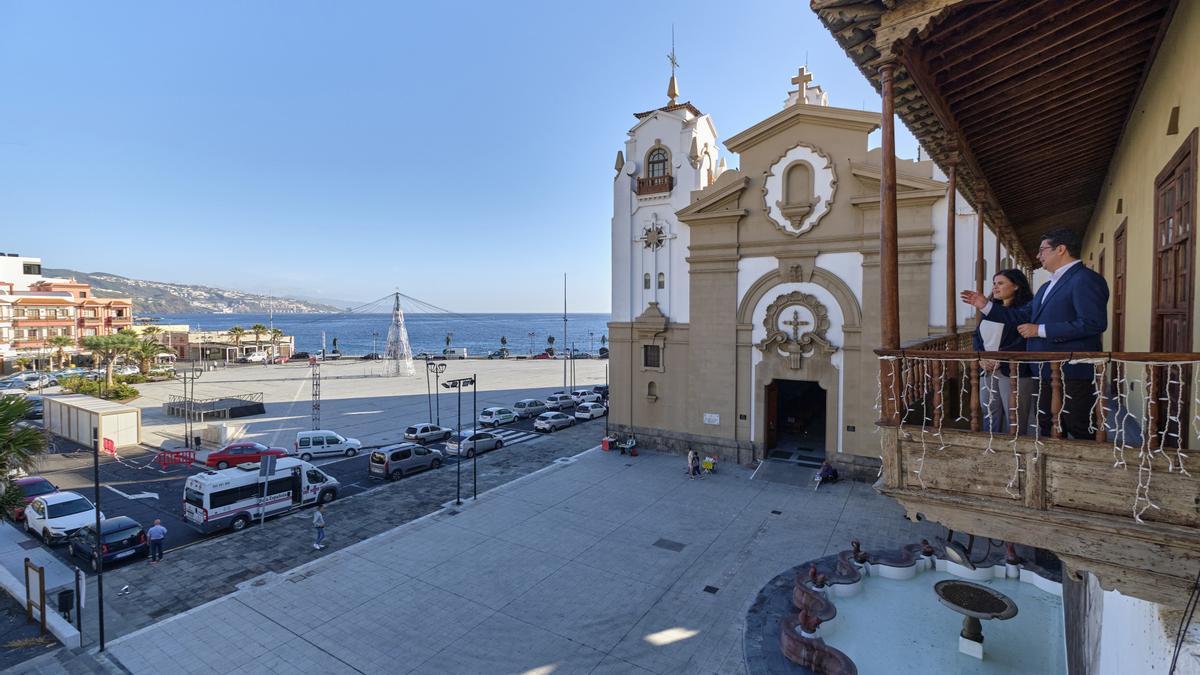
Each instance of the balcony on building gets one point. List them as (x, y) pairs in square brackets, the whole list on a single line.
[(1017, 118), (655, 185)]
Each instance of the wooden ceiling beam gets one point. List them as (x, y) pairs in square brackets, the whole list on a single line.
[(1026, 57), (1077, 119), (1011, 183), (1057, 151), (1012, 36), (1078, 84)]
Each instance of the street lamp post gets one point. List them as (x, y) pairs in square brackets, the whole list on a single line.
[(459, 384), (474, 421), (374, 338), (437, 369), (591, 335)]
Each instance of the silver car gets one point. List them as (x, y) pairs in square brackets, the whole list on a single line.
[(529, 407), (426, 432), (559, 401), (471, 441), (552, 421), (396, 461)]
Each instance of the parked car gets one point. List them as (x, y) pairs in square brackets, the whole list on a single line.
[(241, 453), (35, 409), (601, 389), (498, 354), (13, 386), (543, 355), (590, 411), (279, 359), (373, 356), (455, 352), (121, 537), (127, 369), (31, 487), (585, 396), (309, 444), (471, 441), (254, 357), (559, 401), (426, 432), (603, 353), (396, 461), (529, 407), (56, 516), (494, 417), (552, 421), (298, 356)]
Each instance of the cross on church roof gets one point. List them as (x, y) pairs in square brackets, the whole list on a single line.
[(803, 78)]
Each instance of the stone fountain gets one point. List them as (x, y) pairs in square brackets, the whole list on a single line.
[(974, 601)]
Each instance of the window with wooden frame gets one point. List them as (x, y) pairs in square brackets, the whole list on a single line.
[(651, 356)]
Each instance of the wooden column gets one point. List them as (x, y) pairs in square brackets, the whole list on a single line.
[(996, 267), (951, 244), (980, 261), (1056, 398), (889, 247)]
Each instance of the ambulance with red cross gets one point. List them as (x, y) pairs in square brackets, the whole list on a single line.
[(237, 496)]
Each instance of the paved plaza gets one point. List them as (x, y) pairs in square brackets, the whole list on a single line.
[(600, 563)]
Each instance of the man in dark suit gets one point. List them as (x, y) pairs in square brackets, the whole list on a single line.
[(1068, 314)]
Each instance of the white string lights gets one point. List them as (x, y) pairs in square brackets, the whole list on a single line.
[(1154, 403)]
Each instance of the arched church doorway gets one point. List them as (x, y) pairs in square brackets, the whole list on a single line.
[(795, 421)]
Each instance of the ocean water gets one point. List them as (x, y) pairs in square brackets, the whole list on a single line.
[(362, 333)]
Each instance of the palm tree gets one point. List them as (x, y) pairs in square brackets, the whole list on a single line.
[(151, 332), (23, 363), (276, 336), (60, 343), (258, 329), (550, 349), (20, 446), (107, 349), (237, 333), (145, 351)]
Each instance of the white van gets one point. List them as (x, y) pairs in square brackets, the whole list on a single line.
[(455, 352), (320, 443), (233, 497)]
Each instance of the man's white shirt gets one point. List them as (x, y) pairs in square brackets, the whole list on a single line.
[(1058, 273)]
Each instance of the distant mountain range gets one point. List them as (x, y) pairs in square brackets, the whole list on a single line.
[(157, 297)]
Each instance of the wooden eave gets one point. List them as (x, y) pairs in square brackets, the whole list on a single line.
[(842, 118), (1029, 97)]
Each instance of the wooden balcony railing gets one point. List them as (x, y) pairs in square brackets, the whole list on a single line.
[(1119, 503), (655, 185)]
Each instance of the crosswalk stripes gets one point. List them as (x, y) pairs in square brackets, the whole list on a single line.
[(511, 436)]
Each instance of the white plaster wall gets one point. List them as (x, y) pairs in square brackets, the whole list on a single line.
[(751, 270), (835, 335), (1133, 639), (847, 267), (12, 269)]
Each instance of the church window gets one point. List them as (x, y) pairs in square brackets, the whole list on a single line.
[(656, 163), (646, 281), (651, 356), (662, 280), (652, 390)]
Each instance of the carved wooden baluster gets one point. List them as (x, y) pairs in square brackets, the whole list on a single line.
[(1152, 411), (975, 424), (937, 395), (1056, 399), (1101, 430), (1013, 412)]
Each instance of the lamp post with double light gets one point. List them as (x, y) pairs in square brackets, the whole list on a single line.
[(459, 384), (437, 369)]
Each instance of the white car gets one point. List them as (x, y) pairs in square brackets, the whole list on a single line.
[(54, 517), (256, 357), (590, 411), (494, 417), (559, 401), (426, 432), (471, 441), (552, 421), (586, 396), (309, 444)]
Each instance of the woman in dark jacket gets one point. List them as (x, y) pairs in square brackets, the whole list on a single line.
[(995, 383)]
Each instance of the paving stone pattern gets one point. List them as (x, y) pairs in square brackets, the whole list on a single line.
[(194, 575)]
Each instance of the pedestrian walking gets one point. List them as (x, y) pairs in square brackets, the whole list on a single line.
[(319, 526), (157, 534)]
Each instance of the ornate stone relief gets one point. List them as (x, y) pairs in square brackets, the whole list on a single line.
[(789, 213), (796, 325)]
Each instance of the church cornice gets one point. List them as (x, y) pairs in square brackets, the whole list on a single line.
[(907, 197), (841, 118), (873, 173), (706, 208)]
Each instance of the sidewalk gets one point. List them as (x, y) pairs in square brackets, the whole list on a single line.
[(603, 564)]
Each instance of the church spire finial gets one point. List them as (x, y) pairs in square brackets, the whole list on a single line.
[(673, 85)]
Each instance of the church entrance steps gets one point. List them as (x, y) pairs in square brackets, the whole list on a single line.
[(788, 473)]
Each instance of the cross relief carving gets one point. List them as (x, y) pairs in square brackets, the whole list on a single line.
[(796, 325)]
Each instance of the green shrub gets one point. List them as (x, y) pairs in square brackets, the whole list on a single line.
[(130, 379), (121, 392)]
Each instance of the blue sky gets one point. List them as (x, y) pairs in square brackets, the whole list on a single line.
[(462, 152)]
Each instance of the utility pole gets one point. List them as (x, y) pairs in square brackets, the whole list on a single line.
[(316, 391), (566, 345), (474, 421), (531, 334)]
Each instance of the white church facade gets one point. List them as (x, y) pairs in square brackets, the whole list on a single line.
[(745, 301)]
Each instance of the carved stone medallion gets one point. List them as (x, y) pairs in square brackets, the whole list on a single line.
[(793, 214), (796, 325)]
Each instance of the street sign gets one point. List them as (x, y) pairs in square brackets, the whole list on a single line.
[(266, 466), (110, 447)]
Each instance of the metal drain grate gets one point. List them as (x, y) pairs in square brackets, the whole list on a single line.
[(777, 513), (711, 589), (30, 544), (670, 545)]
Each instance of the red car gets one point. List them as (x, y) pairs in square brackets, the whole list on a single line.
[(241, 453), (543, 355), (31, 487)]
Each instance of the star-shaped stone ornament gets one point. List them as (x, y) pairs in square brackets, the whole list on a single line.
[(653, 237)]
